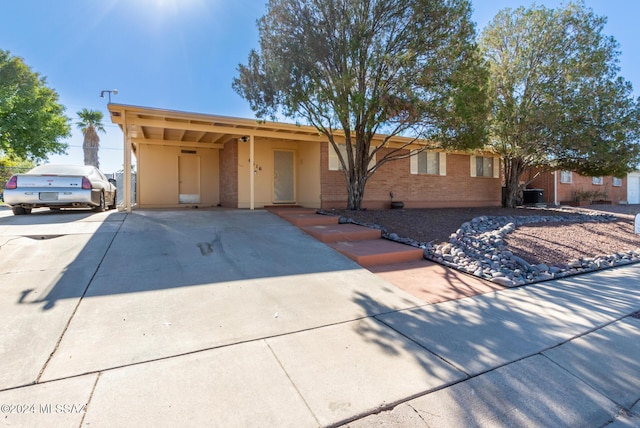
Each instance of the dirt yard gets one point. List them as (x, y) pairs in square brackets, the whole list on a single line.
[(550, 243)]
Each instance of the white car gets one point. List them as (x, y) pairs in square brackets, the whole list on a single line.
[(60, 186)]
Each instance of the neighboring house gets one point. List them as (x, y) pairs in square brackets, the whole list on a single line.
[(569, 187), (187, 159)]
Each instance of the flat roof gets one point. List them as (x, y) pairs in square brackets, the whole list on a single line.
[(153, 125)]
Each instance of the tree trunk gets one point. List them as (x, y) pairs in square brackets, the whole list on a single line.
[(355, 190), (513, 169), (356, 176), (90, 147)]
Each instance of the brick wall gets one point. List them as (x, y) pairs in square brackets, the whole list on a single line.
[(229, 175), (567, 191), (456, 189)]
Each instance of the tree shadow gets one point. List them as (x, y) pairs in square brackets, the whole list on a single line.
[(433, 282), (157, 250), (486, 334)]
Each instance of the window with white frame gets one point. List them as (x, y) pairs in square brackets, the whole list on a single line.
[(334, 161), (428, 162), (566, 177), (617, 181), (597, 181), (484, 166)]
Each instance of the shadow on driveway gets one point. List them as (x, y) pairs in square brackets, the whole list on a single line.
[(156, 250), (497, 339)]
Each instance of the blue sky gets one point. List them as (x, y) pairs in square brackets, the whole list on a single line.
[(183, 54)]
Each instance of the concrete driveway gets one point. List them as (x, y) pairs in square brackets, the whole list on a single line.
[(84, 293), (237, 318)]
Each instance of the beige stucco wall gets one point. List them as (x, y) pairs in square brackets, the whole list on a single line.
[(308, 175), (306, 172), (210, 176), (158, 176)]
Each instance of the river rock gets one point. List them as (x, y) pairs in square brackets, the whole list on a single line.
[(504, 281), (478, 247)]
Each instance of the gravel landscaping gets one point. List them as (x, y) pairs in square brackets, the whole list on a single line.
[(513, 246)]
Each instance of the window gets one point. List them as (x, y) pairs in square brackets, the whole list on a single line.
[(617, 182), (566, 177), (426, 162), (343, 152), (484, 166), (597, 181), (334, 161)]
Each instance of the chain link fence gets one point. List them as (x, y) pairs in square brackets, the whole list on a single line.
[(119, 176)]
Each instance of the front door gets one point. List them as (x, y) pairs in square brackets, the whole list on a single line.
[(283, 177), (189, 179)]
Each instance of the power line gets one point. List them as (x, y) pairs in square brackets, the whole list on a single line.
[(101, 147)]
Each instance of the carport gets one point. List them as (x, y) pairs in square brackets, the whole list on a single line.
[(190, 159)]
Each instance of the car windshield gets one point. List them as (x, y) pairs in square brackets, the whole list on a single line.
[(62, 170)]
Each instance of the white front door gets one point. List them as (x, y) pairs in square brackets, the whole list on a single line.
[(283, 177)]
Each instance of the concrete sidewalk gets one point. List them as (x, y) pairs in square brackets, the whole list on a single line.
[(232, 318)]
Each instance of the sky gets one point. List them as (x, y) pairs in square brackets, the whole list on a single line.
[(183, 54)]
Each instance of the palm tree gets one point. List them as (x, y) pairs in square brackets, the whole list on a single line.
[(90, 124)]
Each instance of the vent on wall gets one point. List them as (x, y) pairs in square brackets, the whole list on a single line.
[(190, 152)]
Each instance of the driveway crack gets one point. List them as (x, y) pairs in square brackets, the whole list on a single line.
[(302, 397), (93, 390), (10, 240)]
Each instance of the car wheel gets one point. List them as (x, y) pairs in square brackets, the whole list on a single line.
[(100, 208), (21, 210), (115, 199)]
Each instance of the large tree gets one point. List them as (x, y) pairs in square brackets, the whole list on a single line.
[(557, 99), (32, 121), (90, 124), (354, 68)]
